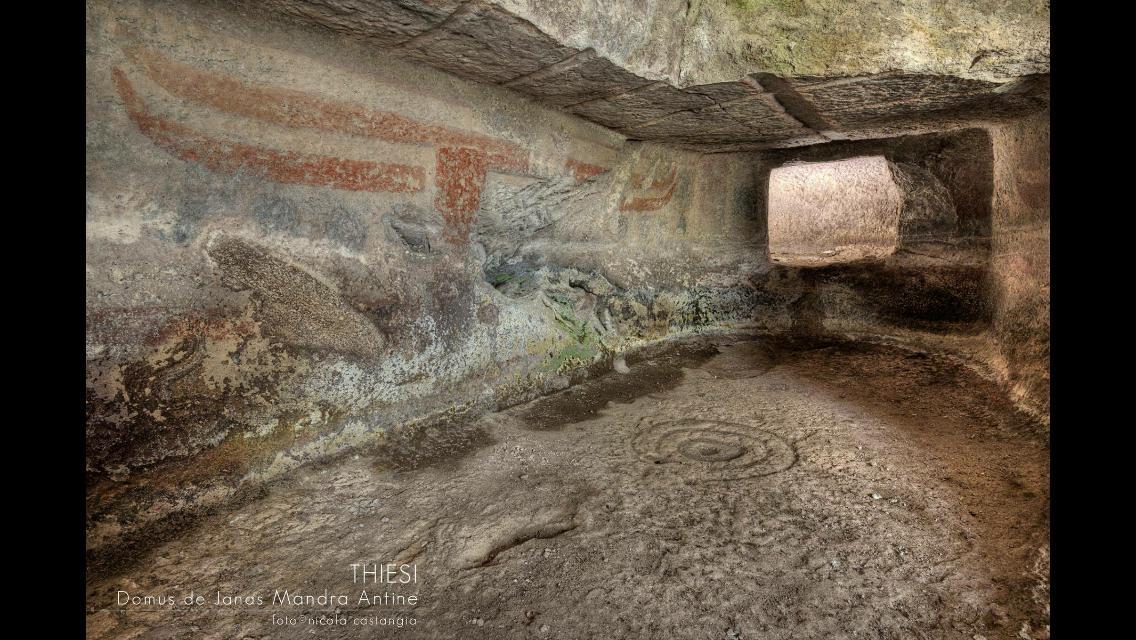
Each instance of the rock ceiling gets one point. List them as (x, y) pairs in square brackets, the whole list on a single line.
[(482, 41)]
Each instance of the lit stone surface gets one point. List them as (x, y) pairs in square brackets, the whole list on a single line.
[(592, 58), (422, 232)]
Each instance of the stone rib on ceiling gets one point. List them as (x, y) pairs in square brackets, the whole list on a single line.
[(480, 41)]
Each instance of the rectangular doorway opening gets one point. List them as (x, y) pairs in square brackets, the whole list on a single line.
[(839, 211)]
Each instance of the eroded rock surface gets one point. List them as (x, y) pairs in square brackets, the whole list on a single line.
[(736, 75), (779, 489), (324, 229)]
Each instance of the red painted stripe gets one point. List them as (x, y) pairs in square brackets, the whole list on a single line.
[(648, 204), (582, 170), (281, 166), (298, 109), (460, 176)]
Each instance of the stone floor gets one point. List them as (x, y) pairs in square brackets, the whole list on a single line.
[(728, 487)]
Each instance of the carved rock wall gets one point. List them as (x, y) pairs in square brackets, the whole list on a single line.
[(294, 245)]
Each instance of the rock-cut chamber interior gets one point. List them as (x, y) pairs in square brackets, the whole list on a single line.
[(479, 319), (834, 210)]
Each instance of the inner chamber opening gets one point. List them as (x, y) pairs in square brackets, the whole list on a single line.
[(824, 212), (863, 207)]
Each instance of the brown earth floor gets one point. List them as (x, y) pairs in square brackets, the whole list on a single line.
[(725, 488)]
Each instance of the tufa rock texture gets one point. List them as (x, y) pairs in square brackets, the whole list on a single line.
[(723, 75), (312, 224), (1020, 257), (847, 205)]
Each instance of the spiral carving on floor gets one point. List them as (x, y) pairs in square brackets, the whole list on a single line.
[(713, 450)]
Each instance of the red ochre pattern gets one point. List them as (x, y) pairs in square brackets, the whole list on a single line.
[(654, 200), (460, 175), (462, 159), (297, 109), (582, 170), (288, 167)]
